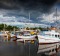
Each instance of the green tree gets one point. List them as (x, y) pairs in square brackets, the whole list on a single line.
[(7, 27)]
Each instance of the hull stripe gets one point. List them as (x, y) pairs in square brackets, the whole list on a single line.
[(48, 43)]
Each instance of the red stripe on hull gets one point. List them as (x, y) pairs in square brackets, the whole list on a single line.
[(48, 43)]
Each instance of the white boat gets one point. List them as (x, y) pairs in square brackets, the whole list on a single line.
[(7, 36), (49, 42), (25, 36)]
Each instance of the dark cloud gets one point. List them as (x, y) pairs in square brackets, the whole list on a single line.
[(40, 5), (19, 8)]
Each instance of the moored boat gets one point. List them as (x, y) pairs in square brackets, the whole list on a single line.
[(49, 41), (26, 36)]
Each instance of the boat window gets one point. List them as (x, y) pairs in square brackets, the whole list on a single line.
[(55, 35), (48, 51), (42, 33), (27, 34), (58, 36), (52, 34), (52, 50), (19, 33), (59, 46)]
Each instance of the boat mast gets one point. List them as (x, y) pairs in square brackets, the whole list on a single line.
[(4, 28), (29, 17), (56, 13), (56, 17), (28, 21), (49, 22), (14, 30)]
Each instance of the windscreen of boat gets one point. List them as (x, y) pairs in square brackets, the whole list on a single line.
[(18, 33), (44, 34), (0, 32), (27, 33)]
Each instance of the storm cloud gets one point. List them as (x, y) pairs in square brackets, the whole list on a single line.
[(41, 5), (20, 9)]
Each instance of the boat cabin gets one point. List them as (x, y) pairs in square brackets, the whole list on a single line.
[(51, 33)]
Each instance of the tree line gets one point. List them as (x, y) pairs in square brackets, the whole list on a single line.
[(11, 28), (40, 28), (8, 27)]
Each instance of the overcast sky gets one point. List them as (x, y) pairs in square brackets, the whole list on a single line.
[(41, 11)]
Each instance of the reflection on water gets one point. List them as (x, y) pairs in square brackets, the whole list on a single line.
[(12, 48), (18, 49)]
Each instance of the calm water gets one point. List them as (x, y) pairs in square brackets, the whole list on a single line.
[(18, 49)]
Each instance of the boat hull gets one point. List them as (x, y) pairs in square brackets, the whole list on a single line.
[(25, 38), (49, 48)]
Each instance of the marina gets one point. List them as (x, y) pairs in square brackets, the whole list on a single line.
[(29, 27), (30, 42)]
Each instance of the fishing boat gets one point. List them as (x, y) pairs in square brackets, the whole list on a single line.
[(49, 41)]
